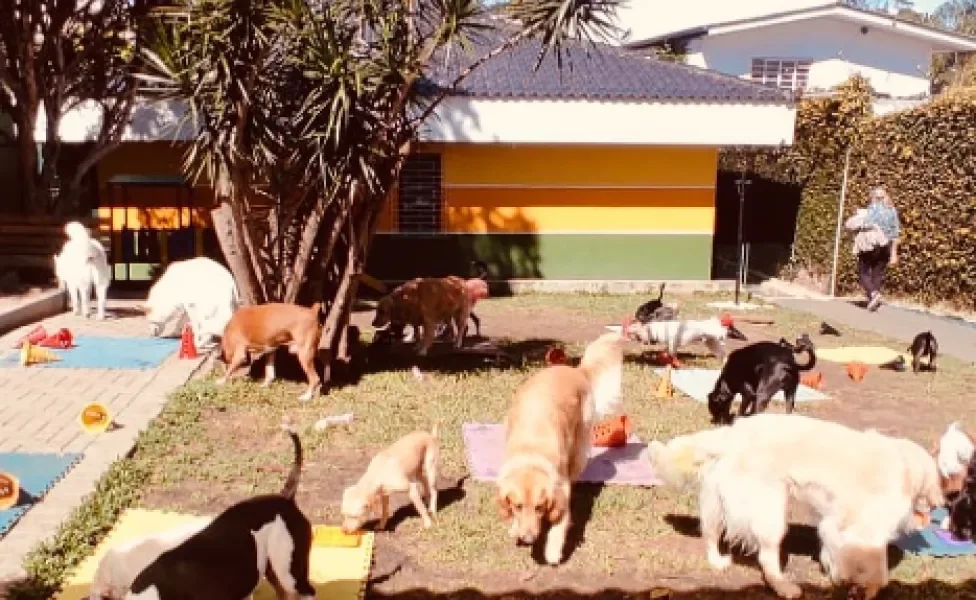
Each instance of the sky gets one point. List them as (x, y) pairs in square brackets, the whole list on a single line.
[(926, 6)]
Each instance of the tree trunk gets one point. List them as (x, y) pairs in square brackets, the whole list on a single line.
[(229, 234), (27, 162)]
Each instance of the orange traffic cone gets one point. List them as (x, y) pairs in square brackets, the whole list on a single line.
[(856, 370), (9, 491), (33, 355), (612, 433), (665, 389), (188, 349), (62, 339), (813, 379)]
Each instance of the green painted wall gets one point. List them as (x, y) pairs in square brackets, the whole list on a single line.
[(544, 256)]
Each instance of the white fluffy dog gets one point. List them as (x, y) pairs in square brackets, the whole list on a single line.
[(81, 265), (201, 288), (121, 564), (675, 334), (864, 487)]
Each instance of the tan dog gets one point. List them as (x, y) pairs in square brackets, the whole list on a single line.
[(409, 465), (548, 432), (865, 488), (255, 332), (424, 304)]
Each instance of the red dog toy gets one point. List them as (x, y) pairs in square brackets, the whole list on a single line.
[(34, 336), (555, 356), (727, 320)]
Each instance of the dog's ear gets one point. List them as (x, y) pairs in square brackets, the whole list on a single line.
[(558, 505), (505, 505)]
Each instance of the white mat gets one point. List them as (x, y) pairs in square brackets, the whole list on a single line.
[(698, 383)]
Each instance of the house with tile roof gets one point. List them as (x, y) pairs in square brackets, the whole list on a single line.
[(604, 169), (808, 45)]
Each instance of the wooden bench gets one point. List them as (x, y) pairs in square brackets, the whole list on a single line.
[(30, 242)]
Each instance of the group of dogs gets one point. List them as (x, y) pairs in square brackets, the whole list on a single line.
[(864, 487)]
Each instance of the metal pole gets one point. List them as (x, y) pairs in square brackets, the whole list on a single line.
[(840, 219), (741, 185)]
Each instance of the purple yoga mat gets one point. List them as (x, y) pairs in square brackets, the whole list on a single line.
[(484, 445)]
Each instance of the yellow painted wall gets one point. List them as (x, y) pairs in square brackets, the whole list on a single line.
[(149, 206), (499, 188)]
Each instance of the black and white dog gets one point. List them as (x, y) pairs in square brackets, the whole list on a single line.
[(757, 372), (962, 508), (924, 346), (266, 535), (656, 310)]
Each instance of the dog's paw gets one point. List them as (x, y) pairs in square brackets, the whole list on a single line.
[(787, 589), (719, 561), (428, 523), (306, 397), (553, 554)]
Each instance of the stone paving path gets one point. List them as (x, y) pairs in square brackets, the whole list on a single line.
[(39, 410)]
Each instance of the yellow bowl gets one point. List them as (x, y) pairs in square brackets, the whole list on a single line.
[(95, 418), (9, 491), (332, 536)]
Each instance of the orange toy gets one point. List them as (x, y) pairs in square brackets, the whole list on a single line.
[(665, 389), (856, 370), (9, 491), (188, 349), (34, 336), (62, 339), (812, 379), (727, 320), (612, 433), (555, 356), (95, 418)]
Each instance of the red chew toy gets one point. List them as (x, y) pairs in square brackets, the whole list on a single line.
[(727, 321), (34, 336), (188, 349), (611, 433), (555, 356)]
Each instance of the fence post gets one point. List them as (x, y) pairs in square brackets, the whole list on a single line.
[(840, 219)]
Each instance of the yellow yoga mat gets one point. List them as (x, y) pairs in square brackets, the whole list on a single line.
[(869, 355), (338, 573)]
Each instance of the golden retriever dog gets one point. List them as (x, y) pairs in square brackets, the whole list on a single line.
[(548, 432), (866, 488), (425, 303), (408, 465), (255, 332)]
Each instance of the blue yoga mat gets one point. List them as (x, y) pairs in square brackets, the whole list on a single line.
[(37, 474), (933, 541), (95, 352)]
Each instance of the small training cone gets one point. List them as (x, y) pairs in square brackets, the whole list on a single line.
[(62, 339), (555, 356), (188, 349), (727, 320), (812, 379), (665, 389), (856, 370), (329, 536), (9, 491), (95, 418), (33, 336), (611, 433), (34, 355)]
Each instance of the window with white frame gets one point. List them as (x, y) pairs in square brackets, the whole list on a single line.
[(783, 73)]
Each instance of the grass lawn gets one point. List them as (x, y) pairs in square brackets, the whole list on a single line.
[(213, 446)]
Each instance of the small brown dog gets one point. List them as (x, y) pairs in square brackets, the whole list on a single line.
[(409, 465), (548, 433), (425, 303), (255, 332)]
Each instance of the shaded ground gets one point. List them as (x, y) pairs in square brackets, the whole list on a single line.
[(218, 446)]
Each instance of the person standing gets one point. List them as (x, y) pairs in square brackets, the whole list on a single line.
[(877, 228)]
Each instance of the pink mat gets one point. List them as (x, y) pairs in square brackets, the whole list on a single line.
[(628, 465)]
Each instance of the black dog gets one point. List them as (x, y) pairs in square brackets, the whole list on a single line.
[(654, 310), (962, 508), (757, 372), (924, 346), (266, 535)]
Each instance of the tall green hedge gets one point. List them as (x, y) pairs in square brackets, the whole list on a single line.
[(926, 158)]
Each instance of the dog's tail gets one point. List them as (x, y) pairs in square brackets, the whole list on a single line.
[(602, 363), (291, 484), (683, 458), (76, 231), (660, 292)]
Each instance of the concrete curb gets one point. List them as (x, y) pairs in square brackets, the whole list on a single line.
[(47, 304)]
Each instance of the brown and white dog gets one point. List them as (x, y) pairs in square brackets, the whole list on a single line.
[(255, 332), (865, 488), (425, 303), (548, 433), (408, 465)]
